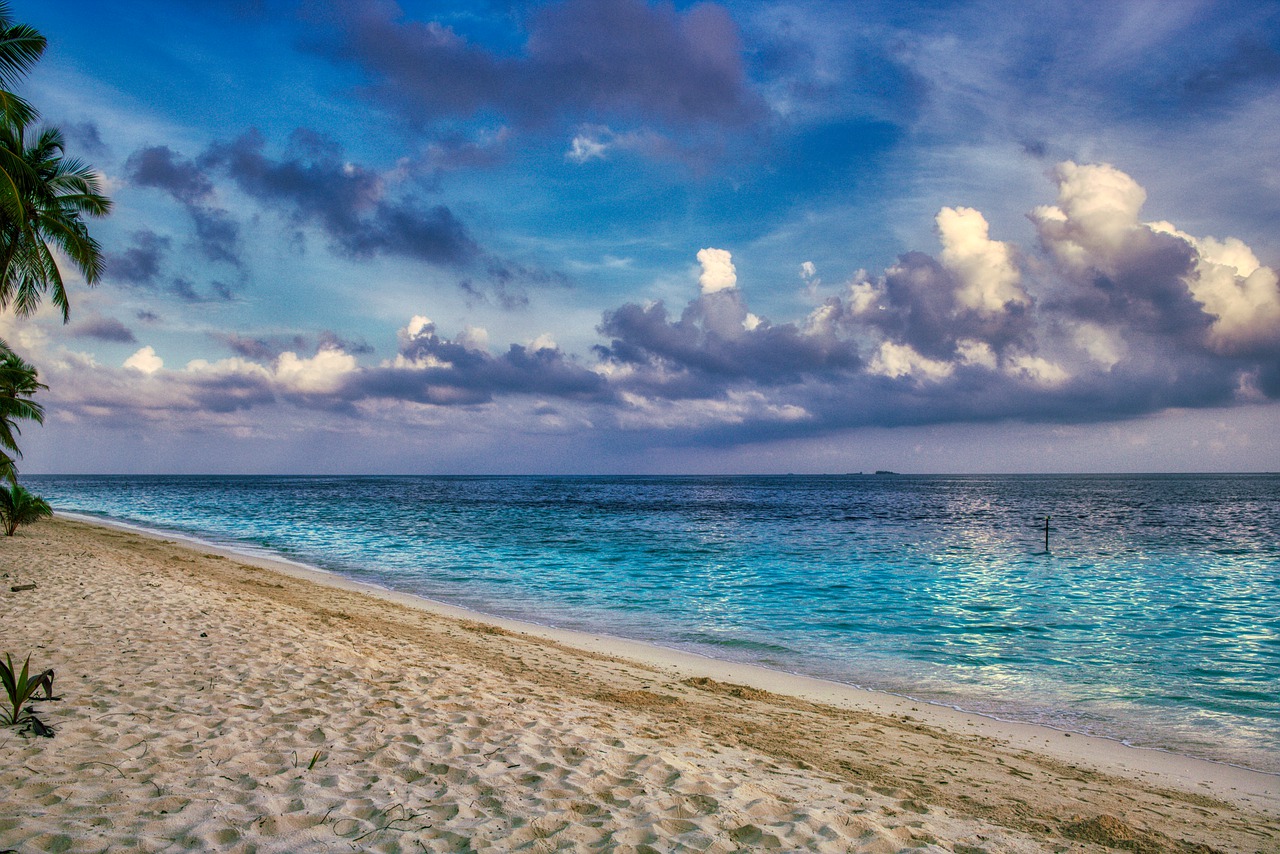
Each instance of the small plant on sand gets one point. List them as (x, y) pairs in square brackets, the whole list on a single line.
[(20, 689), (20, 506)]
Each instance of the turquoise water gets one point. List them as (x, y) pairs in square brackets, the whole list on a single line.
[(1154, 618)]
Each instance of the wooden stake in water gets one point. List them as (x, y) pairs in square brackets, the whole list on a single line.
[(1046, 534)]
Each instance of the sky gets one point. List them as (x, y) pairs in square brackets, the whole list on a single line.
[(618, 236)]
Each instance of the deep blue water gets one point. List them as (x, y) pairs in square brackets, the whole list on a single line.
[(1154, 617)]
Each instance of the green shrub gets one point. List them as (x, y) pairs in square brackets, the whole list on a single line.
[(18, 506)]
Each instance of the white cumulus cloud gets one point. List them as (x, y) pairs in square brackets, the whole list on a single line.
[(145, 360), (718, 273), (902, 360), (1235, 288), (1037, 369), (323, 373), (988, 277), (1096, 215)]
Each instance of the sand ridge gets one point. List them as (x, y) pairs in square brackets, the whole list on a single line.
[(214, 705)]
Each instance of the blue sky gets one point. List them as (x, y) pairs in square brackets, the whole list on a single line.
[(619, 236)]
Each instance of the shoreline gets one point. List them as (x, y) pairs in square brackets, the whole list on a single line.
[(197, 683), (1101, 750)]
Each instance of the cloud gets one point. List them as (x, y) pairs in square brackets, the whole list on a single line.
[(1152, 277), (812, 283), (1232, 286), (361, 212), (453, 150), (160, 167), (139, 264), (103, 329), (971, 335), (185, 290), (432, 369), (900, 360), (988, 278), (920, 302), (327, 339), (1251, 62), (584, 148), (264, 348), (323, 373), (145, 361), (715, 341), (718, 272), (582, 58), (85, 136), (350, 204), (188, 182), (985, 331), (1037, 369), (218, 235), (598, 142)]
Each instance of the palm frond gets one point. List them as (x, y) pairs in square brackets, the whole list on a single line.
[(21, 47)]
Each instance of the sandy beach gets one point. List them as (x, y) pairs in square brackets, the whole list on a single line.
[(213, 702)]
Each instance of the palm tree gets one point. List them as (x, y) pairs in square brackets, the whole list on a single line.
[(20, 506), (18, 381), (56, 193), (20, 48)]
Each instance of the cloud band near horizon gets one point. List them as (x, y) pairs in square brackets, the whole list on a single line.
[(1108, 317)]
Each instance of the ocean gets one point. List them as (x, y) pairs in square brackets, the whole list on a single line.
[(1153, 618)]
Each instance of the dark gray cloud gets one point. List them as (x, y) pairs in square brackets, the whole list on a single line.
[(160, 167), (327, 339), (265, 348), (188, 182), (1143, 287), (139, 264), (230, 392), (710, 347), (582, 58), (452, 151), (184, 290), (103, 329), (432, 369), (361, 212), (187, 291), (259, 348), (85, 137), (218, 235), (262, 349), (919, 307), (348, 202)]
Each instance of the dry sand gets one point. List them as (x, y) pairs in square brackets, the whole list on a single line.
[(212, 704)]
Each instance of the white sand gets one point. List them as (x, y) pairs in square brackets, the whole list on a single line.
[(197, 690)]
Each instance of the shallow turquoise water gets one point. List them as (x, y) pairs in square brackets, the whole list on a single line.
[(1154, 617)]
